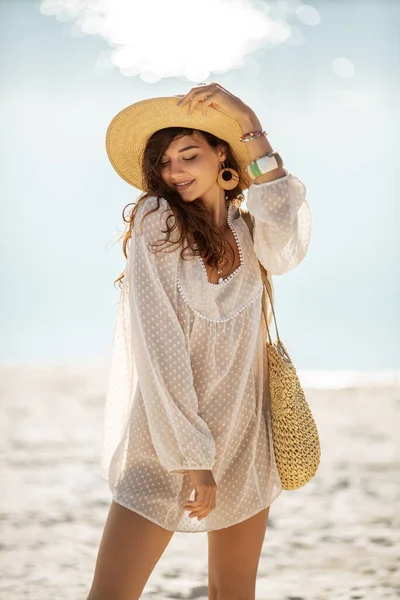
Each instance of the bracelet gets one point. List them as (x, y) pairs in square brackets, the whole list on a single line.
[(252, 135), (264, 164)]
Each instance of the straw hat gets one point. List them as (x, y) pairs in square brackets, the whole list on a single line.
[(130, 129)]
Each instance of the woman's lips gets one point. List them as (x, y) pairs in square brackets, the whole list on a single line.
[(182, 188)]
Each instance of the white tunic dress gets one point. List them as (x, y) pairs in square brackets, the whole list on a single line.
[(188, 371)]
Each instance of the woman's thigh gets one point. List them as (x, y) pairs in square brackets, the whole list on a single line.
[(233, 557), (130, 548)]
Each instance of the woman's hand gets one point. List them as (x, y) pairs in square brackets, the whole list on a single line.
[(205, 494), (217, 97)]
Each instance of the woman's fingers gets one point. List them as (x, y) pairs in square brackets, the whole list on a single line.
[(202, 496), (206, 103), (206, 98), (197, 94), (202, 512), (205, 493), (202, 506)]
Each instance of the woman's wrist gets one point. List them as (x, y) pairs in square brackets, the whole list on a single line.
[(249, 121), (258, 146)]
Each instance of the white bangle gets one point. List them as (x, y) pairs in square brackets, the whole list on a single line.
[(264, 164)]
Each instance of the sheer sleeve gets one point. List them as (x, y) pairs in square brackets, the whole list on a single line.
[(282, 222), (181, 438)]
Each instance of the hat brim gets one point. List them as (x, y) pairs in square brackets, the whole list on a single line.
[(131, 128)]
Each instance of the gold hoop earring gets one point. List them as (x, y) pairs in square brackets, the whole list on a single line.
[(227, 178)]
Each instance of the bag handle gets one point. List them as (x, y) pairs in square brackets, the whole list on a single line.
[(247, 218)]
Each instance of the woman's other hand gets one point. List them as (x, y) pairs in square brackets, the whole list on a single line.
[(205, 494)]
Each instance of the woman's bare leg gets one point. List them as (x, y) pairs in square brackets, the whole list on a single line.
[(233, 557), (129, 550)]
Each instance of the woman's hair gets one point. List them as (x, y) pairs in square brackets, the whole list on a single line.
[(193, 220)]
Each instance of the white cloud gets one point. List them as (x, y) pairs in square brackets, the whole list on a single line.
[(178, 38)]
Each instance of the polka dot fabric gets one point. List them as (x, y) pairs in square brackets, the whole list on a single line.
[(282, 215), (188, 371)]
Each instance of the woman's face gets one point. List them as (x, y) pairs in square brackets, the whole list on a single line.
[(191, 158)]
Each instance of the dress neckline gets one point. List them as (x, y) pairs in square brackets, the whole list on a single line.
[(223, 281)]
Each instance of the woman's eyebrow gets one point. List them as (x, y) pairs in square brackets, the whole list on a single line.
[(186, 148)]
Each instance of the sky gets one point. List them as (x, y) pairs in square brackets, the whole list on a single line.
[(328, 97)]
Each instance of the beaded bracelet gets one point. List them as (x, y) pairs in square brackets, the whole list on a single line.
[(264, 164), (252, 135)]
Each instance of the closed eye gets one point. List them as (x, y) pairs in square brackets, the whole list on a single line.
[(191, 158)]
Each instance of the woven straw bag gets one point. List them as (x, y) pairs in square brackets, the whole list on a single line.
[(295, 435)]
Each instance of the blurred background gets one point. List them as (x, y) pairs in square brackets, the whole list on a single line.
[(323, 80)]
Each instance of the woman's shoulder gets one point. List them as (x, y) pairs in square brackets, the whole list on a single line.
[(155, 226), (151, 216)]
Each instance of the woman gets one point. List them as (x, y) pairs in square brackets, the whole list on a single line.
[(188, 440)]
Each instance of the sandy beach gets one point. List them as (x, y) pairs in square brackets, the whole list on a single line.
[(336, 538)]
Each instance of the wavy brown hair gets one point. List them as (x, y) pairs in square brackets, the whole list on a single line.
[(194, 222)]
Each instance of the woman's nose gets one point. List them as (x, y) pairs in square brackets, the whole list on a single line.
[(176, 171)]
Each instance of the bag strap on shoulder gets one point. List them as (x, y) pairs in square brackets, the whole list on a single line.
[(264, 275)]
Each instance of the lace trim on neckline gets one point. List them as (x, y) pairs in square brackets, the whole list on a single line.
[(220, 319)]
